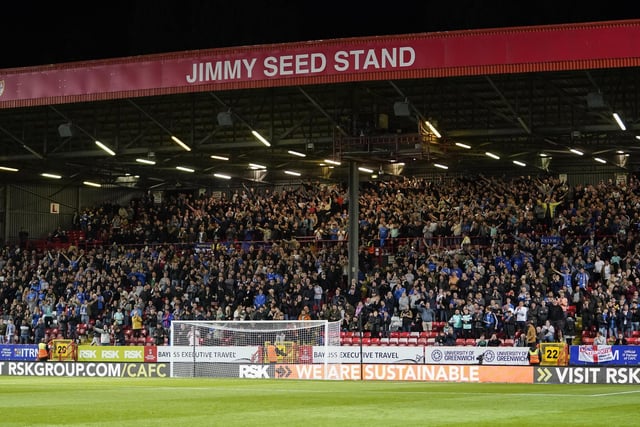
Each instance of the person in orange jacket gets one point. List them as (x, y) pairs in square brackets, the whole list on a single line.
[(43, 351)]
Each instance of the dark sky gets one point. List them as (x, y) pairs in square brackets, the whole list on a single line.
[(54, 32)]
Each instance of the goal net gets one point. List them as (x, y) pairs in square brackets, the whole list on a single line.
[(251, 349)]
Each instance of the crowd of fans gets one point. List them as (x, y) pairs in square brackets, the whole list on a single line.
[(483, 255)]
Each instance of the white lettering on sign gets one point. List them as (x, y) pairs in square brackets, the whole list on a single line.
[(302, 64), (254, 371), (221, 70)]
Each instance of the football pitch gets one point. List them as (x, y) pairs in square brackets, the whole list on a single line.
[(47, 401)]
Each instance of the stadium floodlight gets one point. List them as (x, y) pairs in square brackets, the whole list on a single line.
[(105, 148), (261, 138), (264, 346), (51, 175), (145, 161)]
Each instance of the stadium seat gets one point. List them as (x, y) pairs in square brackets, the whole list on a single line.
[(460, 341), (346, 341), (508, 342), (412, 341), (635, 334), (587, 340), (414, 334), (403, 341), (405, 334), (470, 342), (394, 341), (82, 332), (366, 341), (424, 334), (375, 341), (422, 341), (431, 341), (395, 334), (384, 341)]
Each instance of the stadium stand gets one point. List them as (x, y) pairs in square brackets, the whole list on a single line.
[(518, 251)]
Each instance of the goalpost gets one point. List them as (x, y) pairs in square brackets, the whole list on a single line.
[(251, 349)]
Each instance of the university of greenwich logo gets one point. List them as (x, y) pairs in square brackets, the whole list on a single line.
[(489, 356)]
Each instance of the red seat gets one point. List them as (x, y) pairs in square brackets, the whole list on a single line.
[(470, 341), (438, 326), (412, 341), (461, 341)]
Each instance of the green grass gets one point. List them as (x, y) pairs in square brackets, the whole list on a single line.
[(33, 401)]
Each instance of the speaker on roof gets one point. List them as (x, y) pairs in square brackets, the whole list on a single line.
[(65, 130), (225, 118), (401, 109), (595, 101)]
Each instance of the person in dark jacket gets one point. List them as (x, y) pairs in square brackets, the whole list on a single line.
[(556, 315)]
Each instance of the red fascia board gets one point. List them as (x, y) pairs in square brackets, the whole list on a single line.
[(425, 55)]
